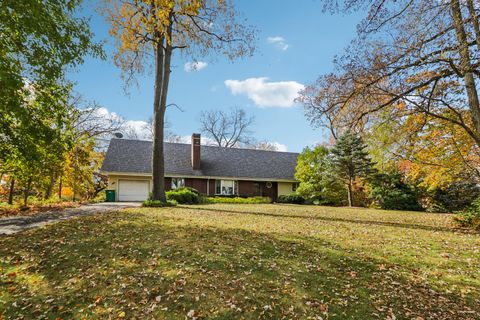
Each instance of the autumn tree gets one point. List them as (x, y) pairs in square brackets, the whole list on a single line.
[(91, 127), (263, 145), (145, 29), (429, 152), (421, 55), (39, 41), (318, 177), (227, 128), (350, 160)]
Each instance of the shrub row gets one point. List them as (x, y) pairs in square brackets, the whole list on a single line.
[(184, 196), (158, 203), (292, 198), (238, 200)]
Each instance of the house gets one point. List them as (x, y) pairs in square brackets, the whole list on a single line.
[(209, 169)]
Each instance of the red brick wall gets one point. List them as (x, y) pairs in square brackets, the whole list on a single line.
[(245, 188), (199, 184), (211, 191), (168, 184)]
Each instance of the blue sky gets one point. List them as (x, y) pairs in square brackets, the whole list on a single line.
[(311, 38)]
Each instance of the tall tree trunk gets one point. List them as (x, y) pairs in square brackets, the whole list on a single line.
[(350, 193), (48, 191), (162, 79), (12, 189), (60, 187), (75, 169), (26, 191), (158, 169), (466, 64)]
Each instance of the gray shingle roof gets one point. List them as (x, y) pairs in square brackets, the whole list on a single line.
[(134, 156)]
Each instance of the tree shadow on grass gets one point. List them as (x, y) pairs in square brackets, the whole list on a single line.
[(334, 219), (128, 266)]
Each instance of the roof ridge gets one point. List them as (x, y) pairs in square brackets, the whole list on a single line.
[(205, 145)]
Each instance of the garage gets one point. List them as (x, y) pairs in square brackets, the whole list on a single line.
[(133, 190)]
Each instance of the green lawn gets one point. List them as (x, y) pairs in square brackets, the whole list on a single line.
[(243, 261)]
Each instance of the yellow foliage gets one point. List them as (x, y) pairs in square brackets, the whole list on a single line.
[(67, 192), (427, 150)]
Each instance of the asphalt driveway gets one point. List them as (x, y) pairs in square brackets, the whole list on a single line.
[(21, 223)]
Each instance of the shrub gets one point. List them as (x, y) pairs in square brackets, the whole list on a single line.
[(389, 192), (456, 197), (184, 196), (291, 198), (191, 189), (470, 217), (158, 203), (238, 200)]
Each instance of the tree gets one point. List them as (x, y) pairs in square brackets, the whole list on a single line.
[(390, 192), (456, 197), (41, 39), (429, 152), (43, 137), (317, 177), (350, 160), (227, 129), (420, 55), (263, 145), (145, 28), (147, 131)]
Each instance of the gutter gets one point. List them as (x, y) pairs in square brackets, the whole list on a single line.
[(140, 174)]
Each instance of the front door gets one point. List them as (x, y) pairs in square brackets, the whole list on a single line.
[(257, 189)]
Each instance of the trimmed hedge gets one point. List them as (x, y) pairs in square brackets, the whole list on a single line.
[(184, 196), (238, 200), (291, 198), (158, 203)]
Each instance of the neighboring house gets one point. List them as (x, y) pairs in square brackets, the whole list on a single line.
[(211, 170)]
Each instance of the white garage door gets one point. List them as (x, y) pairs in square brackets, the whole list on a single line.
[(133, 190)]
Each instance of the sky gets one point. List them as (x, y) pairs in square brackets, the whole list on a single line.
[(296, 43)]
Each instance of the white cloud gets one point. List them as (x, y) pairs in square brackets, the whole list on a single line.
[(280, 146), (278, 42), (130, 129), (267, 94), (195, 66), (138, 129)]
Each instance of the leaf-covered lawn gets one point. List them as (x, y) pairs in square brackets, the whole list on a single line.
[(243, 261)]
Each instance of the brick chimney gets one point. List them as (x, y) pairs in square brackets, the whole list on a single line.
[(196, 151)]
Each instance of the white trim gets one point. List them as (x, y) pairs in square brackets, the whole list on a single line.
[(176, 187), (235, 187), (135, 174)]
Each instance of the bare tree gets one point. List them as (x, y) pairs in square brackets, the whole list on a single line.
[(170, 136), (227, 129), (91, 120), (263, 145)]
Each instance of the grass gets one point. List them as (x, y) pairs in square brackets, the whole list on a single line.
[(224, 261)]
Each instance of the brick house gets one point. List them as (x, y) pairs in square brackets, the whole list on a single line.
[(209, 169)]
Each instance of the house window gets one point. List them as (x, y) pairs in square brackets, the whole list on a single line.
[(295, 186), (226, 187), (178, 183)]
